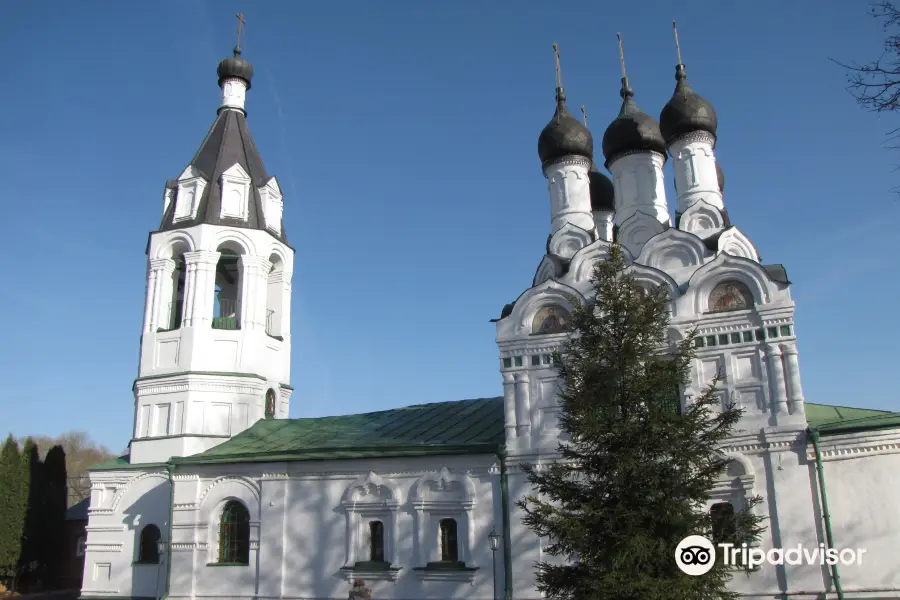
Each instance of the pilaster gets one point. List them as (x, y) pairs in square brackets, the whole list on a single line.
[(792, 373), (523, 404), (776, 377), (509, 405)]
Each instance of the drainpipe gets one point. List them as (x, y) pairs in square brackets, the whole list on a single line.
[(829, 537), (504, 498), (170, 468)]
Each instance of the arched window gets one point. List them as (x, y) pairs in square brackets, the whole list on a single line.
[(724, 527), (270, 403), (730, 295), (275, 298), (148, 549), (227, 300), (234, 534), (550, 319), (376, 541), (449, 546)]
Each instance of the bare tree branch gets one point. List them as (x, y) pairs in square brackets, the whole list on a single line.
[(876, 84)]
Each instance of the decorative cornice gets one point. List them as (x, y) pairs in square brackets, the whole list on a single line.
[(107, 547), (222, 386), (573, 160), (693, 136)]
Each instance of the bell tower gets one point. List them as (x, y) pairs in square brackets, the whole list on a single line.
[(216, 343)]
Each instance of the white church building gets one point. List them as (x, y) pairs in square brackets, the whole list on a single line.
[(222, 495)]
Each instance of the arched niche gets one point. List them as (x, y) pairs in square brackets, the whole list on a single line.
[(550, 293), (726, 268)]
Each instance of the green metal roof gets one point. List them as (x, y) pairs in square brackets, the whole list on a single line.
[(831, 420), (458, 427)]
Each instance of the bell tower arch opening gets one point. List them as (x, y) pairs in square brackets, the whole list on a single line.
[(229, 283)]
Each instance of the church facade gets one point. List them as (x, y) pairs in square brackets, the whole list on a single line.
[(223, 496)]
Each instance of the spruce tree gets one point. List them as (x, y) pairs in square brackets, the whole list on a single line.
[(635, 471), (31, 560), (54, 510), (13, 500)]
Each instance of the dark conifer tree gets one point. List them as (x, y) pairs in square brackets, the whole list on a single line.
[(55, 505), (635, 473), (31, 559), (13, 500)]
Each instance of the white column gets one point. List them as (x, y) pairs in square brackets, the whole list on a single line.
[(161, 271), (792, 376), (286, 304), (776, 377), (199, 286), (395, 532), (422, 555), (150, 302), (470, 535), (509, 405), (570, 194), (523, 404)]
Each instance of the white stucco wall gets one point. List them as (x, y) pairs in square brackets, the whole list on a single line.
[(300, 537)]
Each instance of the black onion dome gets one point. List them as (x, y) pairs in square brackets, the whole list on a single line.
[(235, 67), (687, 111), (720, 176), (603, 195), (632, 131), (564, 135)]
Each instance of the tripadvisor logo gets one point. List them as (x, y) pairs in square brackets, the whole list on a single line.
[(696, 555)]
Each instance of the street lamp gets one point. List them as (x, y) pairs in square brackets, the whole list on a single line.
[(494, 541), (161, 547)]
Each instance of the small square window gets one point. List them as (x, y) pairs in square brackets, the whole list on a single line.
[(760, 335), (710, 340), (723, 339), (547, 359), (785, 330), (772, 332), (699, 342), (748, 336), (535, 360), (518, 360), (507, 363), (735, 338)]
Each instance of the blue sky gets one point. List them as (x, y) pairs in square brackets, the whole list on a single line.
[(404, 134)]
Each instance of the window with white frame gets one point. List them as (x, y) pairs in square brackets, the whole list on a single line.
[(273, 204), (443, 502), (370, 504), (187, 198), (235, 193)]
